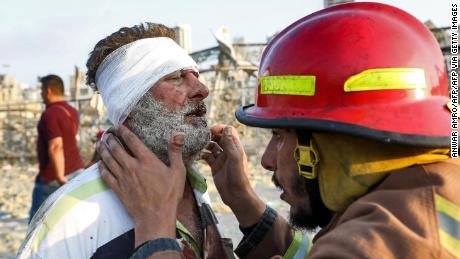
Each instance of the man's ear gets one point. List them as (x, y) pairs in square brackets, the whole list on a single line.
[(48, 91)]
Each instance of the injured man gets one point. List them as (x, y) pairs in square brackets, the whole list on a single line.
[(149, 85)]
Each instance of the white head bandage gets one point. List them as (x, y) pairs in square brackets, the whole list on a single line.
[(130, 71)]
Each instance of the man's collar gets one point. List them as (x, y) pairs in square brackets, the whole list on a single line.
[(195, 178)]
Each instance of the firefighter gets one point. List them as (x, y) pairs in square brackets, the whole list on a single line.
[(355, 96)]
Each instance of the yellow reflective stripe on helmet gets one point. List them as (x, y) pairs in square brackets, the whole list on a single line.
[(386, 79), (449, 224), (288, 85)]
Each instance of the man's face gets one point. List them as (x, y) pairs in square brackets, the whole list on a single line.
[(174, 104), (180, 88), (307, 210)]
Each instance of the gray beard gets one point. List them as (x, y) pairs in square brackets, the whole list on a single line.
[(154, 124)]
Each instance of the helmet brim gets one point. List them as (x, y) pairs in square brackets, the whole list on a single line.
[(436, 127)]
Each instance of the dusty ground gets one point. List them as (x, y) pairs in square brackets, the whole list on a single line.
[(16, 185)]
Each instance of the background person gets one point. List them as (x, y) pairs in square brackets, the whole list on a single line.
[(57, 150)]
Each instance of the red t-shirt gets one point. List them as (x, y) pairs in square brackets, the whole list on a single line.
[(58, 120)]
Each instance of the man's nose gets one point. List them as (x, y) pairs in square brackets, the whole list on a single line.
[(198, 90), (268, 160)]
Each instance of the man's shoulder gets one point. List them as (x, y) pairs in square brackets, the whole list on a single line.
[(396, 217), (449, 165), (69, 107), (81, 216), (59, 108), (86, 190), (397, 223), (428, 175), (52, 110)]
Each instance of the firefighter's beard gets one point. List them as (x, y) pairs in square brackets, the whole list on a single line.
[(154, 123), (311, 215)]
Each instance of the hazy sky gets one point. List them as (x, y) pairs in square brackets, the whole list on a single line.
[(52, 36)]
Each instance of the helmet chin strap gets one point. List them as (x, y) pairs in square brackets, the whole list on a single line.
[(306, 156)]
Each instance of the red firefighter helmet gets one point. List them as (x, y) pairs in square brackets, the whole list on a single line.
[(366, 69)]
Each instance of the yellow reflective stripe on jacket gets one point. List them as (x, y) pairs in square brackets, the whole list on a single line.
[(300, 246), (288, 85), (66, 203), (449, 225), (386, 79)]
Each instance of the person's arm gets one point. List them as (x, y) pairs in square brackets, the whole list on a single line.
[(149, 190), (56, 154), (271, 234)]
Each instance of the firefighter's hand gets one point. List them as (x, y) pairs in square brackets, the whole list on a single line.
[(149, 190), (228, 163)]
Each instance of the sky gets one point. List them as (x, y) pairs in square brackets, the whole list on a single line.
[(54, 36)]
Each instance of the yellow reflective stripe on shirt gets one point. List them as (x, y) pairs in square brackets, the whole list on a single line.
[(288, 85), (197, 180), (66, 203), (449, 224), (294, 246), (299, 247), (185, 234), (386, 79)]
